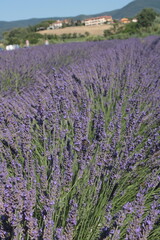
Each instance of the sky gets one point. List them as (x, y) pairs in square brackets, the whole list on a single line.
[(11, 10)]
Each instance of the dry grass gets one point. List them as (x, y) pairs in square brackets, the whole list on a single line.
[(93, 30)]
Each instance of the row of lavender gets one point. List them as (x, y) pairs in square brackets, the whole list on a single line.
[(79, 141)]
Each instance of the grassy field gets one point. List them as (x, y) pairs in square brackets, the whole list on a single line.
[(93, 30)]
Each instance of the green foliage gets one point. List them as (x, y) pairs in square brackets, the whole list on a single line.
[(74, 35), (87, 34), (95, 38), (69, 35), (146, 17), (14, 36), (148, 24), (20, 35), (51, 36), (157, 20), (43, 25), (81, 35), (131, 28), (129, 10), (115, 26), (107, 33), (33, 37), (64, 36)]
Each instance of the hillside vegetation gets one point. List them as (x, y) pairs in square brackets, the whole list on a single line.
[(135, 7), (148, 24), (130, 10)]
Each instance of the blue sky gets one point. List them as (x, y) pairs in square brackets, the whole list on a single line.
[(11, 10)]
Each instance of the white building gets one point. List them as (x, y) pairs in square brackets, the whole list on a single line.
[(98, 20), (58, 24), (55, 25), (134, 20)]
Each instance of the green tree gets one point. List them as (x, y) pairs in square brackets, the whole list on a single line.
[(33, 37), (41, 26), (63, 36), (146, 17), (107, 33), (131, 28), (87, 34), (14, 36), (74, 35)]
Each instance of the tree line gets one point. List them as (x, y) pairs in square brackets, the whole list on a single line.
[(146, 22)]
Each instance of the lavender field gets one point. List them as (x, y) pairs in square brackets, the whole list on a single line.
[(80, 141)]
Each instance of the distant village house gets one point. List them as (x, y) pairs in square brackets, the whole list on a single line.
[(98, 20), (134, 20), (67, 21), (59, 24), (125, 20)]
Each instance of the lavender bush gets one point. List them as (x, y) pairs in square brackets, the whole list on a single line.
[(80, 141)]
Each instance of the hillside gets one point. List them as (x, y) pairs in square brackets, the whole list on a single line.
[(135, 7), (129, 10), (5, 26)]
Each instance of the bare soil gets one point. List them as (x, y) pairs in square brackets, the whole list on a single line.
[(93, 30)]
